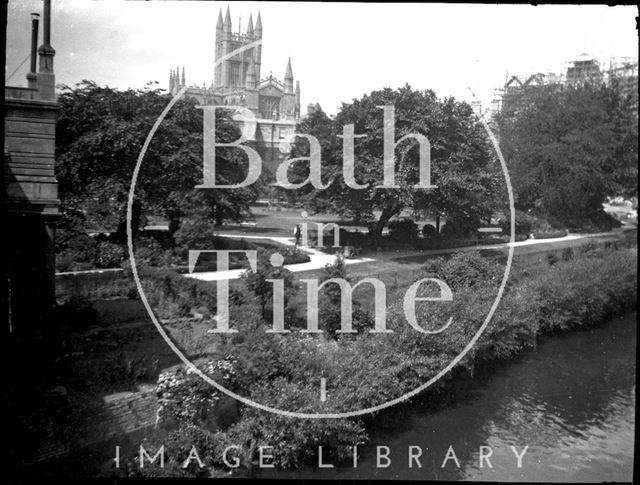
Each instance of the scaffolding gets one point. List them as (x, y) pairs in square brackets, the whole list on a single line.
[(583, 70)]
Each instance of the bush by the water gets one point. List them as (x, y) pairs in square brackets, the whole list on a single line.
[(279, 370), (172, 295), (329, 306), (466, 269)]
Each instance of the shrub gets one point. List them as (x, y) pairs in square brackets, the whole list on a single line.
[(172, 295), (356, 239), (172, 257), (601, 221), (567, 254), (72, 261), (330, 301), (465, 269), (76, 252), (70, 232), (64, 261), (295, 441), (257, 283), (109, 255), (230, 243), (149, 251), (567, 295), (294, 256), (460, 226), (523, 221), (429, 231), (403, 230), (552, 258), (195, 234), (549, 234), (185, 397)]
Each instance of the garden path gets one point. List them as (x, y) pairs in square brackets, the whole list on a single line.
[(319, 259)]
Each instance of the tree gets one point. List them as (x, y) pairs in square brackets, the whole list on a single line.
[(99, 135), (567, 149), (463, 167), (257, 282), (330, 301)]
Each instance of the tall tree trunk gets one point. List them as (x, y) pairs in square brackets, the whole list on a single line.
[(387, 213)]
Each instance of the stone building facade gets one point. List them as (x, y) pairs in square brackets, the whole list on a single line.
[(30, 195)]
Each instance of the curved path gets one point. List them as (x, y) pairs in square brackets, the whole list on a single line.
[(319, 259)]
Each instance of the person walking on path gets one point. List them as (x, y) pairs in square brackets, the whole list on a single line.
[(297, 233)]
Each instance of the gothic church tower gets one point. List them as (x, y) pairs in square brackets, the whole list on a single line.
[(238, 81)]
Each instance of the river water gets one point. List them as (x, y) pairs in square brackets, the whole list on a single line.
[(571, 401)]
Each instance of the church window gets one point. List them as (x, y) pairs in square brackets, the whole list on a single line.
[(235, 74), (270, 107)]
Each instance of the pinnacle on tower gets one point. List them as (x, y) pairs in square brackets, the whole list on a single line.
[(219, 23), (183, 83), (289, 73), (227, 20), (259, 26), (250, 26), (288, 78)]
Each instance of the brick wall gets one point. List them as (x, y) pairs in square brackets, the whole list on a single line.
[(115, 415), (123, 412)]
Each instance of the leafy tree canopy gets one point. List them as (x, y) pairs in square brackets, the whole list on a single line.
[(99, 136), (462, 163), (567, 149)]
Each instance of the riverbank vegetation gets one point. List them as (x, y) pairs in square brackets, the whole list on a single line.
[(575, 288)]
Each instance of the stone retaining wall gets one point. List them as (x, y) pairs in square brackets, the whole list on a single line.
[(117, 415)]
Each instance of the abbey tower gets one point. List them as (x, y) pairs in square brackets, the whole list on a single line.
[(237, 81)]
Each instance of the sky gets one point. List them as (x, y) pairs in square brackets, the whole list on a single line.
[(339, 51)]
